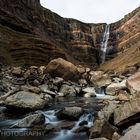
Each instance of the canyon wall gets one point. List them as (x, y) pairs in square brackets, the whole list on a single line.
[(33, 35)]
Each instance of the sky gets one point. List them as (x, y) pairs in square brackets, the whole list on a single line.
[(92, 11)]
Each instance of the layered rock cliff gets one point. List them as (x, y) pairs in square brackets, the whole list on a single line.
[(33, 35)]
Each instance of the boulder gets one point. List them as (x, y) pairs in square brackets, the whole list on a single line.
[(68, 90), (100, 79), (133, 83), (132, 134), (30, 121), (89, 92), (64, 69), (127, 113), (25, 100), (114, 88), (70, 113), (102, 128), (17, 71)]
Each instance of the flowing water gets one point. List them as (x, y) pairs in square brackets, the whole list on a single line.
[(105, 43), (91, 105)]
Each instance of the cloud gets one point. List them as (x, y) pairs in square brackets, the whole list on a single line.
[(92, 10)]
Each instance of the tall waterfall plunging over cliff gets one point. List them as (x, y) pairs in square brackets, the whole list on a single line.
[(104, 43)]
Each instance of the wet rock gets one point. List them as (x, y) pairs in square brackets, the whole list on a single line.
[(30, 121), (25, 100), (49, 128), (70, 113), (84, 122), (81, 129), (114, 88), (62, 68), (133, 83), (132, 134), (127, 113), (2, 109), (67, 90), (66, 124)]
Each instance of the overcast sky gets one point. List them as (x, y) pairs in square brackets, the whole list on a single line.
[(92, 11)]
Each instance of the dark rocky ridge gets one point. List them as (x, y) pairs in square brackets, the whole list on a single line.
[(33, 35)]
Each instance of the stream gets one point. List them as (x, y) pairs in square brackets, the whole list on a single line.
[(91, 105)]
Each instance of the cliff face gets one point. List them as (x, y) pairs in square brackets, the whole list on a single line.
[(33, 35), (125, 37)]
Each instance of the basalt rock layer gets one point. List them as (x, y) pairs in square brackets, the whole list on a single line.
[(33, 35)]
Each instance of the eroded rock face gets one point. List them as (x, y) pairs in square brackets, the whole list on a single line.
[(47, 35), (26, 100)]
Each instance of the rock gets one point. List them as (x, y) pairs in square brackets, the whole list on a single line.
[(25, 100), (114, 88), (2, 109), (102, 128), (70, 113), (59, 94), (66, 124), (31, 89), (51, 93), (62, 68), (49, 128), (84, 122), (58, 81), (81, 129), (88, 95), (30, 121), (116, 136), (133, 134), (44, 88), (89, 92), (83, 82), (123, 96), (100, 79), (68, 90), (18, 81), (99, 139), (117, 80), (17, 71), (127, 113), (133, 83)]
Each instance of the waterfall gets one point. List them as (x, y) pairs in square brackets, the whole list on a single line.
[(104, 43)]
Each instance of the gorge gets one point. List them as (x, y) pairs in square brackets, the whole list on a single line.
[(62, 79)]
